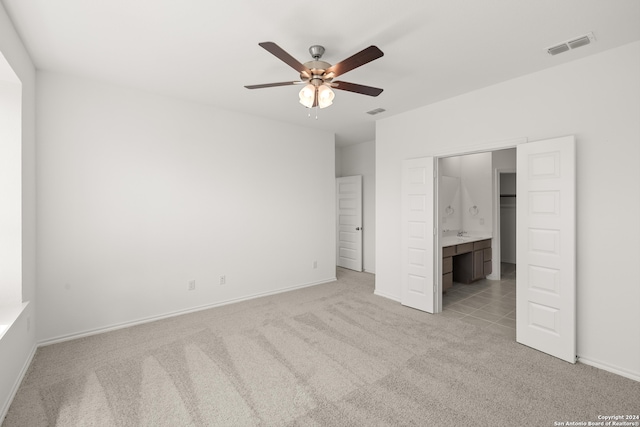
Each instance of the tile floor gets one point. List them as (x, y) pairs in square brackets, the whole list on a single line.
[(486, 303)]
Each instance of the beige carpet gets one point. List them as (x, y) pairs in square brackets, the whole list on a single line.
[(329, 355)]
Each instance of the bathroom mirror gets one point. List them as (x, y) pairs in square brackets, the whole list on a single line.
[(450, 203)]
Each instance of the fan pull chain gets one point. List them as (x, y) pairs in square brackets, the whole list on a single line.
[(309, 112)]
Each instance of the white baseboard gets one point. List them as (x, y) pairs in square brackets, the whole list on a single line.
[(382, 294), (123, 325), (613, 369), (16, 385)]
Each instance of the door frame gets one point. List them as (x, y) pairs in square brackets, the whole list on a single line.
[(479, 148), (496, 246)]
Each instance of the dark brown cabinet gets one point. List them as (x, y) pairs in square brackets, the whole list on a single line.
[(481, 259), (488, 265), (447, 273), (447, 267), (478, 265), (466, 262)]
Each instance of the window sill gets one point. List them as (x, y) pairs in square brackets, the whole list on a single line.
[(8, 315)]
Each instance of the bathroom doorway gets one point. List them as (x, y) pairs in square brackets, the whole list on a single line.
[(546, 293), (481, 188)]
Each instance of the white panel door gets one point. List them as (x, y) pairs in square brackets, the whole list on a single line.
[(349, 204), (546, 253), (417, 234)]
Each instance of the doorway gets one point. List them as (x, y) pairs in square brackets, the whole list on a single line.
[(349, 222), (470, 202), (546, 217)]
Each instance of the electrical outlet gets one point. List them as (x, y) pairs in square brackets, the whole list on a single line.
[(192, 285), (223, 279)]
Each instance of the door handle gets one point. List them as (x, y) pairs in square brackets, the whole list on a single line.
[(358, 228)]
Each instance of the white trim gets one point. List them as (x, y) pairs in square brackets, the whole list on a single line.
[(613, 369), (123, 325), (483, 147), (437, 247), (9, 314), (18, 382), (496, 248), (387, 296)]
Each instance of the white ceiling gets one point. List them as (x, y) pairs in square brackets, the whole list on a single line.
[(206, 50)]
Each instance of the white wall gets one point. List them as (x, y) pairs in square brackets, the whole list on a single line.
[(508, 184), (477, 192), (11, 191), (505, 159), (450, 204), (139, 194), (17, 345), (360, 159), (504, 232), (597, 99)]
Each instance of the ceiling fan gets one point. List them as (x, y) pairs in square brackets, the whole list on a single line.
[(318, 75)]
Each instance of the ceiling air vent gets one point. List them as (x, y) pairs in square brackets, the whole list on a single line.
[(579, 42), (376, 111), (558, 49), (572, 44)]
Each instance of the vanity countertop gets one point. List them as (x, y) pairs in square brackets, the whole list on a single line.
[(457, 240)]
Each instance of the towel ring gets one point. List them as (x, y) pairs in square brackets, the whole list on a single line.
[(473, 210), (449, 210)]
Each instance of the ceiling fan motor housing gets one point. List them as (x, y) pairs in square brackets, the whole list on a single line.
[(316, 51), (317, 69)]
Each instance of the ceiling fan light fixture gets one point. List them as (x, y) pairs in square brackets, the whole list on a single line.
[(325, 96), (306, 95), (317, 75)]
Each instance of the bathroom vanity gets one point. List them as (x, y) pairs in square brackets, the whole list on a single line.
[(465, 259)]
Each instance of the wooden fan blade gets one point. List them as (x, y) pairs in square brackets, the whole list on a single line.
[(364, 56), (272, 85), (280, 53), (354, 87)]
